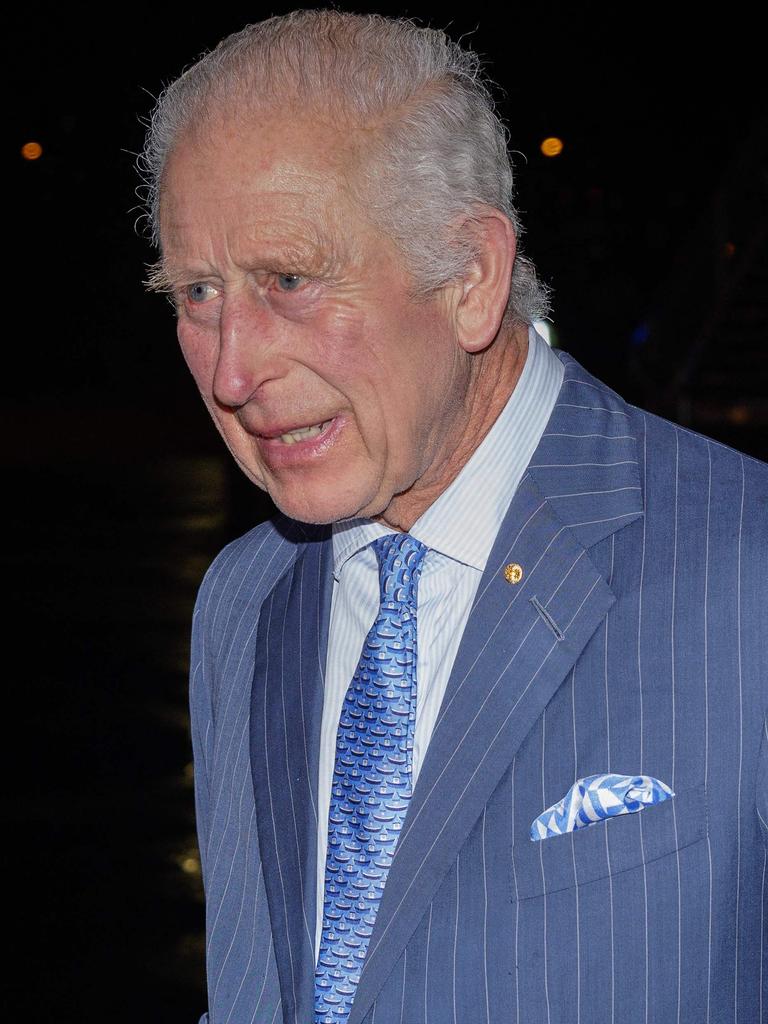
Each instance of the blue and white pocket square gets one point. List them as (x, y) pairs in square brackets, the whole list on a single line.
[(597, 797)]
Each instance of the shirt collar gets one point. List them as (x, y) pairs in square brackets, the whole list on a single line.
[(351, 536), (462, 523)]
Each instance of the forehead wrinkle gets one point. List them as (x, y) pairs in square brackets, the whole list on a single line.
[(291, 211), (292, 239), (277, 244)]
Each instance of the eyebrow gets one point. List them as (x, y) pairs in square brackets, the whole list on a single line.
[(161, 277), (166, 277)]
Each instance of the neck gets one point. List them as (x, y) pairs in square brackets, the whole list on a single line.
[(494, 374)]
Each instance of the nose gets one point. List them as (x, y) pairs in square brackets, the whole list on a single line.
[(247, 356)]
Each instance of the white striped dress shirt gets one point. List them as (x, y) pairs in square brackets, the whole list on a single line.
[(459, 529)]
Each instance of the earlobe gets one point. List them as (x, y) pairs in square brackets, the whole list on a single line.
[(484, 290)]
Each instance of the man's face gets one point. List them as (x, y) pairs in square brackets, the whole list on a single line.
[(334, 389)]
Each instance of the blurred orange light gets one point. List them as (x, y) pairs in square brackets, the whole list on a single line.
[(552, 146), (729, 249), (31, 150), (739, 414)]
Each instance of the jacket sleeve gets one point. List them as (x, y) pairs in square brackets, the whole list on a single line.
[(201, 721)]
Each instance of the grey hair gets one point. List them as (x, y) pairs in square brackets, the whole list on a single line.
[(438, 151)]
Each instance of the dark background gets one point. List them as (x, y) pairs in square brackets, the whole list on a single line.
[(651, 228)]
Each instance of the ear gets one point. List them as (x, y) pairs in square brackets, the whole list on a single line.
[(481, 300)]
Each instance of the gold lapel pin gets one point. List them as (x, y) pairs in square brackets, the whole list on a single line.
[(513, 572)]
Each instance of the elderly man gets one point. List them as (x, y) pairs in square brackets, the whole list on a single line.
[(478, 720)]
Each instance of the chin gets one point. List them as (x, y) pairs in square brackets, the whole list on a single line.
[(312, 511), (324, 507)]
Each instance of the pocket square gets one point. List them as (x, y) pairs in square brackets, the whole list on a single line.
[(597, 797)]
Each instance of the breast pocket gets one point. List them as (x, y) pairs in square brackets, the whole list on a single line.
[(609, 847)]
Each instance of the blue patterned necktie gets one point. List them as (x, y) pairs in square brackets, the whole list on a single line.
[(371, 778)]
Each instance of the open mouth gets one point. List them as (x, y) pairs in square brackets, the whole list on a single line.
[(300, 433)]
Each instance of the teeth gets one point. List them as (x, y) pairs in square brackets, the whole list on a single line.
[(303, 433)]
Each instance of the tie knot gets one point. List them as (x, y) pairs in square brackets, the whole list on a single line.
[(400, 559)]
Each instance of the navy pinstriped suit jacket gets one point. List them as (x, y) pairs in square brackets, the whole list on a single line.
[(646, 651)]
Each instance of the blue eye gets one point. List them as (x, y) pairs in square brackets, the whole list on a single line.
[(200, 291), (289, 282)]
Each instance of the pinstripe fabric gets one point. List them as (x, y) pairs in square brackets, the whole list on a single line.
[(644, 653)]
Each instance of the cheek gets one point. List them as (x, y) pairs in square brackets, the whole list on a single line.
[(363, 348), (391, 368), (343, 351)]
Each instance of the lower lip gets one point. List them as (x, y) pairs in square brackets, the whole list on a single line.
[(277, 453)]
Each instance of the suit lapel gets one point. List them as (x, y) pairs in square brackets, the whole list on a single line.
[(520, 642), (286, 712)]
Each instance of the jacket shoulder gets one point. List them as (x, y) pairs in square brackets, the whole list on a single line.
[(726, 478), (676, 467)]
